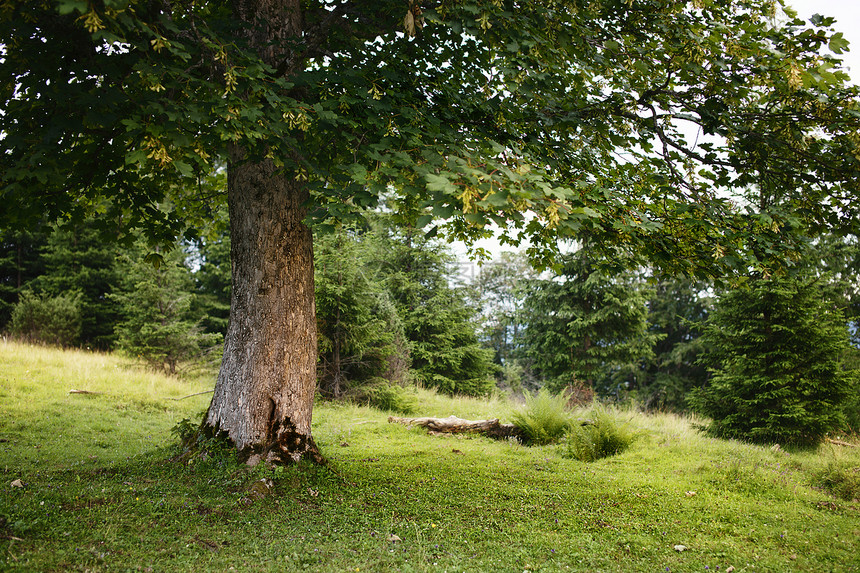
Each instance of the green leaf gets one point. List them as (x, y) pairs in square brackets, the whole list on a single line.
[(439, 183), (838, 44), (423, 221)]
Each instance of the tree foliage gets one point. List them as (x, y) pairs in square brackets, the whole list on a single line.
[(774, 350), (361, 336), (586, 323), (677, 309), (157, 325), (552, 119), (76, 258), (19, 264), (439, 324), (485, 111), (45, 319), (500, 289)]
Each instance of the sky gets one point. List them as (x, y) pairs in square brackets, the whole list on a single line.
[(847, 14)]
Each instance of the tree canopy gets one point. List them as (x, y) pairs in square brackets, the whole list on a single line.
[(552, 118)]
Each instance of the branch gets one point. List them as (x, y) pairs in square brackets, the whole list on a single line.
[(197, 394)]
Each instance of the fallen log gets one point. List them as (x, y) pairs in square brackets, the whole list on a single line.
[(840, 443), (455, 425)]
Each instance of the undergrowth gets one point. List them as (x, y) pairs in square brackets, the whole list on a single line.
[(544, 419), (841, 480), (600, 434)]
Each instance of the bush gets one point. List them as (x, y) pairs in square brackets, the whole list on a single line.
[(840, 480), (47, 320), (544, 418), (599, 436)]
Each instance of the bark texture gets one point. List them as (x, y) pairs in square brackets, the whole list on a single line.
[(264, 395), (265, 390)]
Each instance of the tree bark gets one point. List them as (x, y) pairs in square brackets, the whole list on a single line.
[(263, 398), (264, 395)]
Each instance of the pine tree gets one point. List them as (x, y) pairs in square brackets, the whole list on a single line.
[(155, 302), (586, 323), (774, 350), (20, 262), (77, 259), (439, 324), (360, 334)]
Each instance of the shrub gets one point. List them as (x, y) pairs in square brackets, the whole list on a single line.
[(54, 320), (544, 418), (598, 436), (840, 480)]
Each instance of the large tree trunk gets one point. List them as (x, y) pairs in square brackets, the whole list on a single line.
[(265, 390)]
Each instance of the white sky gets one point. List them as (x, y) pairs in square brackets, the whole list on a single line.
[(847, 14)]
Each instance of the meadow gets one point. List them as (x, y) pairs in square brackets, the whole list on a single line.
[(93, 482)]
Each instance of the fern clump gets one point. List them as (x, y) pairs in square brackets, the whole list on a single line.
[(544, 419), (600, 435)]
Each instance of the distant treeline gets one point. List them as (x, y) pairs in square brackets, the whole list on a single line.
[(392, 310)]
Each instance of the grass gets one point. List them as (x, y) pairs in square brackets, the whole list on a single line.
[(100, 493)]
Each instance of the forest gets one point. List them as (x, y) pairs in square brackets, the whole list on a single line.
[(229, 290), (395, 311)]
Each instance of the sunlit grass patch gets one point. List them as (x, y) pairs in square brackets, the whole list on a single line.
[(125, 411)]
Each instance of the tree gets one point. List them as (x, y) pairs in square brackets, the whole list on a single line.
[(677, 310), (157, 324), (54, 320), (586, 322), (774, 350), (360, 333), (19, 264), (76, 258), (500, 289), (438, 323), (212, 283), (551, 119)]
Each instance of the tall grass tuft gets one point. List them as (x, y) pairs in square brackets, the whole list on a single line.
[(387, 397), (599, 436), (841, 480), (544, 419)]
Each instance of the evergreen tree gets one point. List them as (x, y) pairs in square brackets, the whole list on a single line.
[(53, 320), (360, 334), (774, 351), (211, 305), (20, 262), (155, 302), (78, 259), (500, 290), (586, 323), (440, 326), (677, 309)]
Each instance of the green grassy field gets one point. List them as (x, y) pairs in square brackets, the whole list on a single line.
[(101, 494)]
